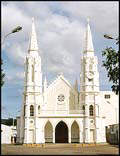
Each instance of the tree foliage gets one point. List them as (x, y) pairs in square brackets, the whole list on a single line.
[(2, 76), (9, 122), (112, 66)]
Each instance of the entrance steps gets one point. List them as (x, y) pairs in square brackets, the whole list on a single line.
[(64, 145)]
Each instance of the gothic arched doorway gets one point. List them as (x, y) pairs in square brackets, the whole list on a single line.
[(61, 133), (74, 133), (48, 132)]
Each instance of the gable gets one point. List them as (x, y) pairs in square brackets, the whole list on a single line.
[(60, 81)]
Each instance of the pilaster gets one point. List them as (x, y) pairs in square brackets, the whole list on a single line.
[(81, 136), (69, 135), (53, 134)]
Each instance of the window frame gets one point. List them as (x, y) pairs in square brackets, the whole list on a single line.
[(31, 110), (107, 96), (91, 110)]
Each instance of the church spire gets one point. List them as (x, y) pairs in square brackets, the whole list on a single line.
[(33, 46), (88, 39), (45, 84), (76, 85)]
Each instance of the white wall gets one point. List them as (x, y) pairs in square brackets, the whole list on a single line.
[(110, 107), (18, 129), (6, 134)]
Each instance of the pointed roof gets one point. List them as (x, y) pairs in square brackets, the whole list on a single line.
[(88, 39), (33, 46), (45, 84), (60, 76), (45, 81), (76, 85)]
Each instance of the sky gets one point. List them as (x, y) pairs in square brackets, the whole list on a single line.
[(60, 28)]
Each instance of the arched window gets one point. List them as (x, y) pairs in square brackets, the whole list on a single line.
[(31, 110), (83, 108), (39, 109), (98, 110), (91, 110), (48, 131), (32, 73), (24, 109), (90, 67), (75, 133)]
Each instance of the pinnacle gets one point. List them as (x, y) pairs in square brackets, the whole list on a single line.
[(88, 42), (88, 20), (33, 38), (32, 19)]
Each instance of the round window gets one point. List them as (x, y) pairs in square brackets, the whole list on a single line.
[(31, 121), (91, 121), (61, 97)]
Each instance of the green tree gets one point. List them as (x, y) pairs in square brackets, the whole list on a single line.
[(111, 63), (9, 121), (2, 76)]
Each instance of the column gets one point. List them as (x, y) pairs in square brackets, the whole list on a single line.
[(87, 135), (69, 135), (43, 137), (37, 136), (53, 134), (80, 137), (26, 128), (21, 129), (87, 126)]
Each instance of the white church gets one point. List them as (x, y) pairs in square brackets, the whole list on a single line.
[(59, 113)]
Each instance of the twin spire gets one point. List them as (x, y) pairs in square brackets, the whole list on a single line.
[(33, 46), (88, 39)]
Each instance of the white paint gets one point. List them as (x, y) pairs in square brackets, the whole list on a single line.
[(6, 133), (59, 101)]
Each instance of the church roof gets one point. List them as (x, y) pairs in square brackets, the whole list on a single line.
[(61, 76)]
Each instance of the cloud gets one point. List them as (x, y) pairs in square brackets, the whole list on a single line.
[(60, 28), (103, 15), (59, 36), (14, 77)]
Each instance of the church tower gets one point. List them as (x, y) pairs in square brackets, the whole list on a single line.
[(89, 91), (32, 91)]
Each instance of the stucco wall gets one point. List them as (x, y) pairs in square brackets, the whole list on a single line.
[(6, 133), (109, 107)]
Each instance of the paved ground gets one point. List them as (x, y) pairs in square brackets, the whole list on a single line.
[(59, 149)]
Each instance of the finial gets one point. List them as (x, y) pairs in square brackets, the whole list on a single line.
[(32, 19), (61, 73), (45, 80), (88, 20)]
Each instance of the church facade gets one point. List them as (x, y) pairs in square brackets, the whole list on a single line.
[(59, 113)]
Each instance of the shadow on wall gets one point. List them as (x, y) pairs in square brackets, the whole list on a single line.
[(112, 134)]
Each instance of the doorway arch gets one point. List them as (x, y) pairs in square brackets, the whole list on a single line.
[(74, 133), (48, 132), (61, 133)]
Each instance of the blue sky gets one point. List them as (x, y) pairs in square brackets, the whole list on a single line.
[(60, 28)]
